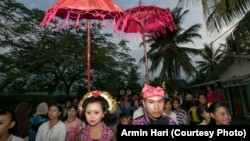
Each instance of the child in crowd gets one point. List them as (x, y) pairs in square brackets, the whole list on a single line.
[(168, 110), (210, 97), (192, 113), (140, 110), (7, 122), (95, 105), (203, 114), (219, 97), (73, 123), (219, 114), (202, 99), (181, 114), (124, 119)]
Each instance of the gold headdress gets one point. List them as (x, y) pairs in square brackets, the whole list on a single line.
[(111, 101)]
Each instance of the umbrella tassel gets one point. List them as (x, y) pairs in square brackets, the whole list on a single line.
[(49, 16), (52, 13), (77, 24), (65, 23), (164, 31)]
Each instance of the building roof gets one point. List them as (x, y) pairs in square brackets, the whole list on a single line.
[(226, 62), (236, 81), (204, 84)]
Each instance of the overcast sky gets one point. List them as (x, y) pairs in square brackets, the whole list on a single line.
[(193, 17)]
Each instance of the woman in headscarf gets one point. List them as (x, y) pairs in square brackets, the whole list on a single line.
[(37, 119)]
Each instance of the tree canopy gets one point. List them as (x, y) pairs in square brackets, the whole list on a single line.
[(41, 59)]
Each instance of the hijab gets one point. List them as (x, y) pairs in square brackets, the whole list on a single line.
[(42, 109)]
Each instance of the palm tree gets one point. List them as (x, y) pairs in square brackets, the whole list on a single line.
[(221, 13), (133, 79), (199, 78), (211, 58), (133, 75), (232, 47), (166, 51), (241, 33)]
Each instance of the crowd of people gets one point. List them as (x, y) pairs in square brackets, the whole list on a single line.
[(96, 116)]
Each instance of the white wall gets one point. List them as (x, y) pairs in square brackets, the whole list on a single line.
[(238, 68)]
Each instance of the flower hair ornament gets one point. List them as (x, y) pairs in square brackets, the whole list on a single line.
[(149, 91), (209, 104), (111, 101)]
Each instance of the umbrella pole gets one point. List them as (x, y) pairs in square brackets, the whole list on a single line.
[(88, 54), (145, 55)]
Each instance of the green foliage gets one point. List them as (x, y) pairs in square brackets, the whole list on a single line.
[(48, 60), (168, 52), (210, 58), (220, 13)]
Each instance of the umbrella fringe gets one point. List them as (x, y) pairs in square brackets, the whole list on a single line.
[(129, 36), (81, 9), (134, 36), (103, 16), (49, 16)]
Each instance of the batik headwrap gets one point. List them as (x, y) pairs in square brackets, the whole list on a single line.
[(149, 91)]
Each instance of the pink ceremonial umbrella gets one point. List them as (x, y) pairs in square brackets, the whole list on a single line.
[(145, 19), (76, 10)]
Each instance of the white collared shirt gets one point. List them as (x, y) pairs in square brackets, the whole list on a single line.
[(57, 133)]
